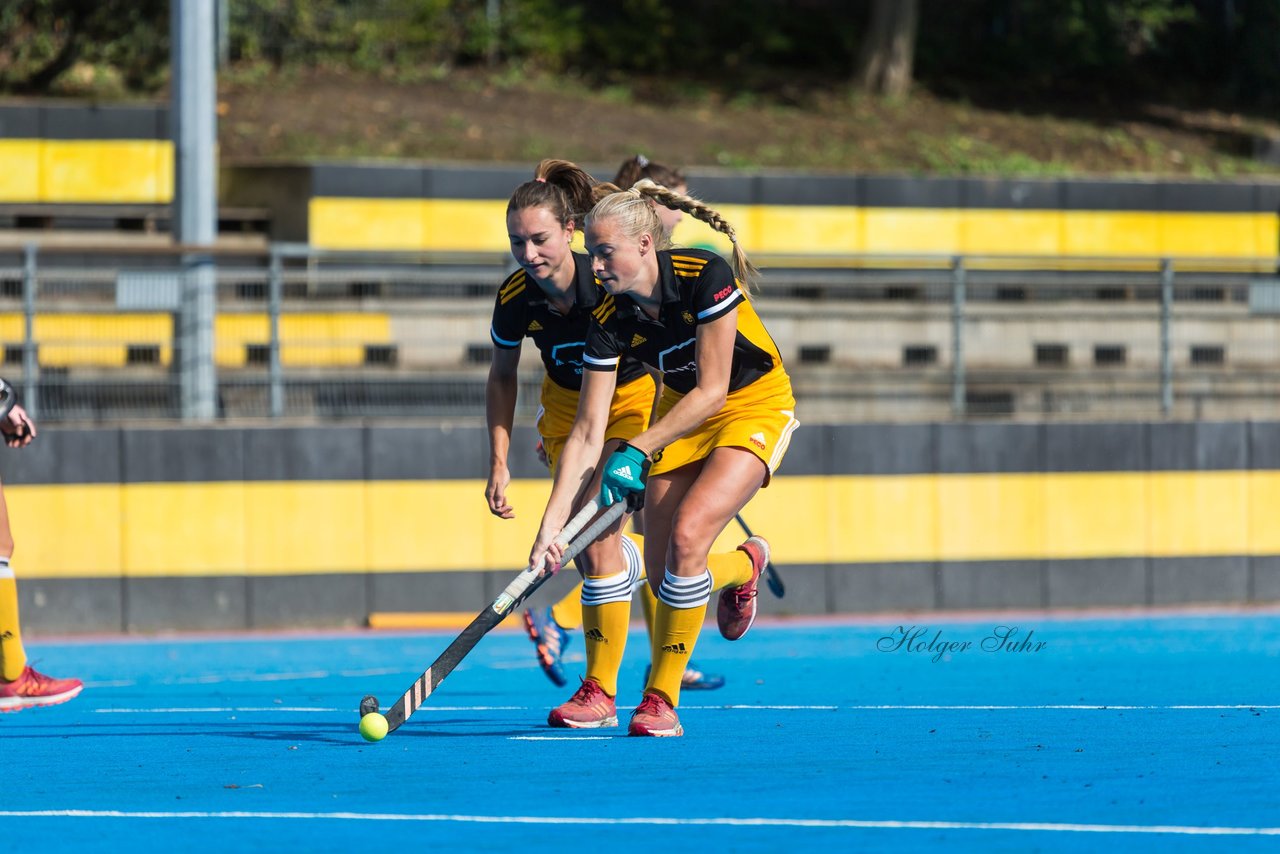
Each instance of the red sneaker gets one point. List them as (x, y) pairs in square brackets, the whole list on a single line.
[(36, 689), (737, 609), (655, 717), (588, 708)]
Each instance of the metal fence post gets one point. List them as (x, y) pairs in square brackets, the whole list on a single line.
[(275, 288), (957, 337), (30, 393), (193, 113), (1166, 345)]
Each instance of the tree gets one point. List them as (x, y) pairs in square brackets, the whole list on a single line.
[(887, 56), (43, 39)]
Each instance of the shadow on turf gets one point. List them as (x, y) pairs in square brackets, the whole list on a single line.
[(326, 732)]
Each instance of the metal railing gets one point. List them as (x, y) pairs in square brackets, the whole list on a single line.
[(96, 334)]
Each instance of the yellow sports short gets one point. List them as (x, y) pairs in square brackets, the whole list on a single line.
[(628, 415), (759, 417)]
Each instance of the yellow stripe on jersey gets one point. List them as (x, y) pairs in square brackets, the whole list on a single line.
[(687, 267), (605, 309), (513, 288), (689, 259)]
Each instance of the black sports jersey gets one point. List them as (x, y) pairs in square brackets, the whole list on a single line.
[(697, 287), (522, 310)]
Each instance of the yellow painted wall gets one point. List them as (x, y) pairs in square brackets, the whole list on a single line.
[(480, 226), (102, 340), (123, 171), (19, 170), (182, 529)]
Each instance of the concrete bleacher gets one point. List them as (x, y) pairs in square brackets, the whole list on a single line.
[(386, 298)]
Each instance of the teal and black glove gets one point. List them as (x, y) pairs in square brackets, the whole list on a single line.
[(624, 477)]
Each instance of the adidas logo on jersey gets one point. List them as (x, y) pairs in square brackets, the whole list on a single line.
[(535, 326), (638, 340), (757, 439), (624, 471), (677, 648)]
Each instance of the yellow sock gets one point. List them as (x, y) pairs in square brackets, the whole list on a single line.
[(675, 632), (604, 631), (649, 604), (13, 658), (729, 569), (568, 611)]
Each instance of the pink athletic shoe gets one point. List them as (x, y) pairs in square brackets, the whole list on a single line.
[(36, 689), (589, 707), (655, 717), (737, 609)]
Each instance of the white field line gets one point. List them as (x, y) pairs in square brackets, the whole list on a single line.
[(989, 708), (204, 710), (179, 710), (852, 824)]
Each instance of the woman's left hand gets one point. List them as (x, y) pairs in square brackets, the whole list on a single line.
[(624, 477), (18, 428)]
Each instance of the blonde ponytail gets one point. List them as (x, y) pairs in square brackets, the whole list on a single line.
[(743, 269)]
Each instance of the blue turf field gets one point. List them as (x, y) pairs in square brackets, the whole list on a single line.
[(1151, 733)]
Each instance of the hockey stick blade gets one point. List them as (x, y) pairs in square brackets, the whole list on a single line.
[(516, 592), (772, 578)]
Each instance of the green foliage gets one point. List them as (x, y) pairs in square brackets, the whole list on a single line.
[(43, 39), (1218, 49)]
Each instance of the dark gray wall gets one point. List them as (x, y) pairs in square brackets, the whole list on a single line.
[(436, 451)]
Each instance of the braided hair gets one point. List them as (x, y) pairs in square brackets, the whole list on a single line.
[(631, 209)]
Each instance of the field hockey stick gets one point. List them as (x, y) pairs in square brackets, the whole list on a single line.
[(771, 574), (520, 588)]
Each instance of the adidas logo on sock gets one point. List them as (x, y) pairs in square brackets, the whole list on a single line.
[(677, 648), (595, 635), (624, 471)]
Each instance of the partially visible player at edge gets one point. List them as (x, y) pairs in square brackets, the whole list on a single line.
[(21, 686), (724, 422), (550, 628), (550, 299)]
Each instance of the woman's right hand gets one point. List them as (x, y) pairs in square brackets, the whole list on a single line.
[(495, 492), (546, 551)]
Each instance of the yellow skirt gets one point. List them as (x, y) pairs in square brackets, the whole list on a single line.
[(759, 418), (628, 414)]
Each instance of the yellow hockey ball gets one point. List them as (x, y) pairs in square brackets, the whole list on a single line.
[(373, 727)]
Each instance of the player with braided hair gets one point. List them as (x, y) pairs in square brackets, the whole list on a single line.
[(550, 300), (723, 424), (551, 627)]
